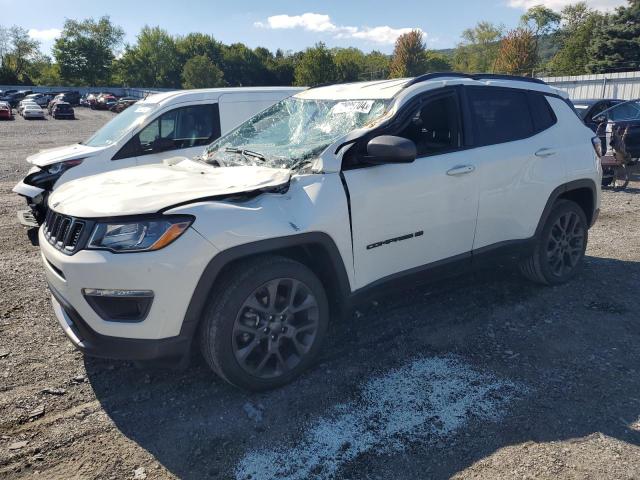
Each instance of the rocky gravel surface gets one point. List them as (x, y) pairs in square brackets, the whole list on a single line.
[(485, 376)]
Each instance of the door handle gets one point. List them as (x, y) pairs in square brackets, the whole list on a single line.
[(545, 152), (460, 170)]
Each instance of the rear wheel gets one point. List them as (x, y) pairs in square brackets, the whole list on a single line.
[(560, 248), (266, 324)]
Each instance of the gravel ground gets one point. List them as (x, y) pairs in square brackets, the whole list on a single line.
[(485, 376)]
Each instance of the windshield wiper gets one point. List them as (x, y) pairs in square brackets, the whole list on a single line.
[(246, 153)]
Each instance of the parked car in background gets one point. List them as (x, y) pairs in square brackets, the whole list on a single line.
[(32, 110), (7, 92), (161, 126), (591, 108), (6, 112), (24, 103), (105, 102), (40, 98), (321, 199), (62, 110), (87, 99), (123, 104), (13, 98)]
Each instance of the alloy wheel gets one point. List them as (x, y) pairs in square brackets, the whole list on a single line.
[(275, 328), (566, 244)]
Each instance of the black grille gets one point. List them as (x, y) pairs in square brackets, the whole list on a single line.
[(63, 232)]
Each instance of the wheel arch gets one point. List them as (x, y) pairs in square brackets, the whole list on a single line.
[(316, 250), (583, 192)]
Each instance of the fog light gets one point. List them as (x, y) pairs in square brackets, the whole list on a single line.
[(114, 305)]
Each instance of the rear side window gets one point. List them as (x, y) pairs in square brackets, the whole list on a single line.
[(499, 115), (541, 112)]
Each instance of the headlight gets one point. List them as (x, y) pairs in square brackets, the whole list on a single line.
[(49, 175), (63, 166), (138, 235)]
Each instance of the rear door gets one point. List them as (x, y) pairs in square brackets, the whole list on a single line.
[(407, 216), (519, 160)]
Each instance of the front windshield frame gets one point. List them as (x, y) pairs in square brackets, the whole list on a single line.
[(294, 131), (122, 124)]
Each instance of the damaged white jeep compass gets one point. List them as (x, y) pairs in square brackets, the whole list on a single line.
[(249, 251)]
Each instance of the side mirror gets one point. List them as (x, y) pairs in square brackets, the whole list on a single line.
[(599, 118), (389, 149)]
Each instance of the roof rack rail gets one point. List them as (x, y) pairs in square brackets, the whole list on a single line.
[(471, 76)]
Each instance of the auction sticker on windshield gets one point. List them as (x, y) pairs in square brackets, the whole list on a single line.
[(352, 106)]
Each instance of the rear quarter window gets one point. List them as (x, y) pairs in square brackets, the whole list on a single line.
[(541, 112)]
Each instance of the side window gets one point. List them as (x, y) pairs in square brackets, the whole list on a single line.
[(159, 135), (626, 111), (179, 128), (197, 126), (499, 115), (541, 112), (435, 127)]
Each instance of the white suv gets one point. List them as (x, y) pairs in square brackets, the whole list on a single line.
[(323, 197)]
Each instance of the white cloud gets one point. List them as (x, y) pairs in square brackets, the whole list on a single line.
[(46, 35), (320, 23), (558, 5)]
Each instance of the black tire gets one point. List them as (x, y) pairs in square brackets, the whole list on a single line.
[(224, 337), (558, 255)]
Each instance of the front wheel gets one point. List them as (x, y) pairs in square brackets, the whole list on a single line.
[(560, 247), (266, 323)]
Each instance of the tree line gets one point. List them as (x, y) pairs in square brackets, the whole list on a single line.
[(574, 41)]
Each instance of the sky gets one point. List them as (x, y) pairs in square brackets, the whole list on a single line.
[(287, 24)]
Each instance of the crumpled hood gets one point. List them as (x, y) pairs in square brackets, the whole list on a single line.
[(150, 188), (61, 154)]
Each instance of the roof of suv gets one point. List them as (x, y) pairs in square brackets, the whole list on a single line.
[(387, 89), (203, 93)]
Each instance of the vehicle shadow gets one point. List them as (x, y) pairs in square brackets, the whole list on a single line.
[(575, 349)]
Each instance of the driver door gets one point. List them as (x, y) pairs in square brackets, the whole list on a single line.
[(412, 215)]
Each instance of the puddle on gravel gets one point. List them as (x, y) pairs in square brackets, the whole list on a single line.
[(424, 401)]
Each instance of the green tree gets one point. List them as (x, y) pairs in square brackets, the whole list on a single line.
[(201, 72), (436, 62), (616, 46), (18, 51), (242, 66), (376, 66), (479, 48), (518, 52), (541, 22), (315, 66), (408, 55), (85, 50), (349, 64), (195, 44), (579, 25), (152, 62)]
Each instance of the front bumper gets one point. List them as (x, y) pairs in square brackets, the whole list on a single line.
[(171, 274), (91, 343)]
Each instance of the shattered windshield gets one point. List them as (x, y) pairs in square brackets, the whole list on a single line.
[(292, 131), (121, 124)]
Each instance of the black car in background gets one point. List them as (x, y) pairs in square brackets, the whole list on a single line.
[(590, 109), (62, 110), (14, 98)]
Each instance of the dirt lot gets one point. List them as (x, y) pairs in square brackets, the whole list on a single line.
[(485, 376)]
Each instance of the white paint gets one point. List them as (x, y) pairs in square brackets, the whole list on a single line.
[(426, 400)]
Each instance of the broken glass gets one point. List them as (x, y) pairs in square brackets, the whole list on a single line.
[(292, 131)]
